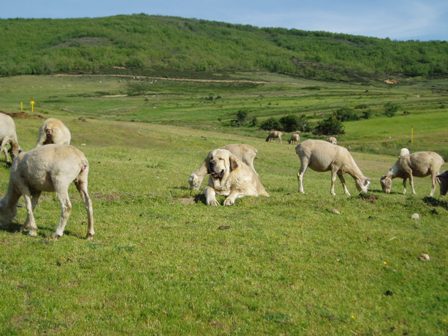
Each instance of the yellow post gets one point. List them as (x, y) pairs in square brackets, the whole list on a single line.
[(32, 104), (21, 106), (412, 135)]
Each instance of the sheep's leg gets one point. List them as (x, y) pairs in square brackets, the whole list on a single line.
[(333, 180), (411, 180), (303, 166), (434, 182), (404, 185), (210, 196), (66, 208), (342, 179), (35, 199), (81, 185), (4, 150), (30, 223)]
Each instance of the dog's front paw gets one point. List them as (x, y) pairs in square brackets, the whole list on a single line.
[(213, 202), (229, 201)]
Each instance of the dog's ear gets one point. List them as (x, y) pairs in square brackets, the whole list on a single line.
[(207, 163), (233, 162)]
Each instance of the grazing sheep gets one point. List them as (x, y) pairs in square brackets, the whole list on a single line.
[(8, 136), (323, 156), (443, 179), (47, 168), (274, 135), (53, 131), (419, 164), (295, 138), (245, 153), (332, 140)]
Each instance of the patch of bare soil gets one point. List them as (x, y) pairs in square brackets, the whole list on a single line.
[(186, 200), (23, 115)]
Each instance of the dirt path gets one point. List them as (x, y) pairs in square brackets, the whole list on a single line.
[(237, 81)]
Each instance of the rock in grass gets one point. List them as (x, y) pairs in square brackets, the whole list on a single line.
[(335, 211), (415, 216)]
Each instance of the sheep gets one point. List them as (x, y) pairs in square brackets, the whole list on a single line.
[(274, 135), (332, 140), (443, 179), (323, 156), (8, 136), (295, 138), (53, 131), (47, 168), (419, 164), (244, 152)]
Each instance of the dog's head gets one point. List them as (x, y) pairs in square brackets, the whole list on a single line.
[(220, 162)]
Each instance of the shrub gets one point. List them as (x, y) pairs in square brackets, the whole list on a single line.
[(390, 109), (346, 114), (270, 123), (366, 114), (329, 126), (289, 123)]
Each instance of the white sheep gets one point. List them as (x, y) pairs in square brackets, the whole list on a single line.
[(53, 131), (332, 140), (274, 135), (8, 136), (323, 156), (244, 152), (418, 164), (47, 168), (295, 138)]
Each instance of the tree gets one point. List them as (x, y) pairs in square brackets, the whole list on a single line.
[(329, 126)]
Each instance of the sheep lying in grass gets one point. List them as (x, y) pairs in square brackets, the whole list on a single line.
[(295, 138), (332, 140), (53, 131), (419, 164), (8, 136), (274, 135), (323, 156), (245, 153), (47, 168)]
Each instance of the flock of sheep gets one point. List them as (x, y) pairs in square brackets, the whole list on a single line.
[(54, 164)]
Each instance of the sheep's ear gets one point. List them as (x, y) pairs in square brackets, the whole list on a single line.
[(383, 178), (367, 182), (233, 162)]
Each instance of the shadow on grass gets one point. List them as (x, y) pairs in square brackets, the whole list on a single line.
[(43, 232), (435, 202)]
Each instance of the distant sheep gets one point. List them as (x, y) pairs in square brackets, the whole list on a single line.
[(332, 140), (323, 156), (244, 152), (418, 164), (274, 135), (47, 168), (295, 138), (53, 131), (8, 136)]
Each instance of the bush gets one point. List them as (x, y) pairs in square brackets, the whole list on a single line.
[(329, 126), (289, 123), (346, 114), (390, 109), (366, 114), (269, 124)]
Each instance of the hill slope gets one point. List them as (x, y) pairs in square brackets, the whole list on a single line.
[(165, 45)]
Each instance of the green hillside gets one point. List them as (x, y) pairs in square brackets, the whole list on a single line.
[(142, 44)]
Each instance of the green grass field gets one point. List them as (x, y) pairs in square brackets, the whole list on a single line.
[(163, 264)]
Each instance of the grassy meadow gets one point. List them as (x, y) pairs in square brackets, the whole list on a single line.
[(163, 263)]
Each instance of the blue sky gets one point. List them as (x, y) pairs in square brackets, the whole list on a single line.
[(396, 19)]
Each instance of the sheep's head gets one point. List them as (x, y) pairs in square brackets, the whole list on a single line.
[(363, 185), (193, 181), (386, 184)]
